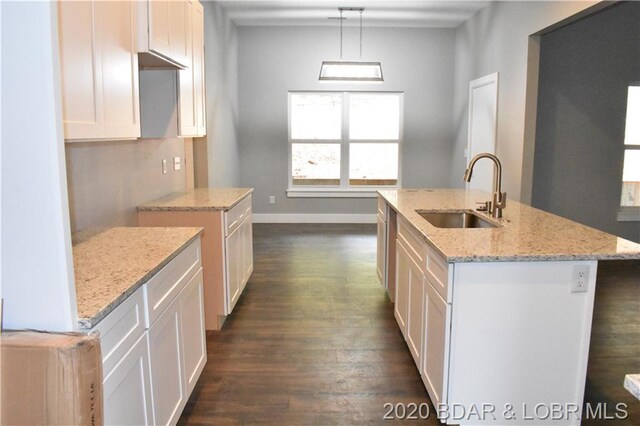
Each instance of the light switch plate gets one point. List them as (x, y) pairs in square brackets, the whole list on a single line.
[(176, 163)]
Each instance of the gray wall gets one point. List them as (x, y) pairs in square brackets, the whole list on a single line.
[(107, 180), (497, 39), (274, 60), (585, 69), (217, 155)]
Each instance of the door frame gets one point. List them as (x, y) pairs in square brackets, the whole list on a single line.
[(487, 80)]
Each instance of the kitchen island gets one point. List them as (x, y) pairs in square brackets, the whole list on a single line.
[(497, 318)]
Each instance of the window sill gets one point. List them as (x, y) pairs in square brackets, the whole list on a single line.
[(334, 192), (629, 214)]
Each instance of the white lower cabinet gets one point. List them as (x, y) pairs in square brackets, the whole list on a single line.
[(433, 360), (192, 331), (238, 247), (423, 315), (381, 251), (150, 369), (415, 323), (127, 388), (403, 278), (233, 258), (165, 355)]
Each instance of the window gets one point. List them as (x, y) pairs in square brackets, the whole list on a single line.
[(630, 199), (344, 141)]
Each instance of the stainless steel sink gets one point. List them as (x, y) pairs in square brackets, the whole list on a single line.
[(455, 219)]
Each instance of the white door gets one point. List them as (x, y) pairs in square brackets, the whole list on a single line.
[(483, 119)]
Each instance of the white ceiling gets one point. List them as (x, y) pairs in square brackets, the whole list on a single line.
[(378, 13)]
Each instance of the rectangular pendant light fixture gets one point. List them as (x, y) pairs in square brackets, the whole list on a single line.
[(351, 71), (366, 72)]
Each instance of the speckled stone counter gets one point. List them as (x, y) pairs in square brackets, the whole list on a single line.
[(198, 199), (112, 264), (524, 233)]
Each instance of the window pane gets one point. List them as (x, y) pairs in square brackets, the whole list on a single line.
[(373, 164), (632, 128), (374, 117), (631, 178), (315, 164), (316, 116)]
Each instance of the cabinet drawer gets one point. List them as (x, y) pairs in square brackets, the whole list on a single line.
[(120, 330), (437, 270), (164, 286), (236, 215), (416, 247), (382, 208)]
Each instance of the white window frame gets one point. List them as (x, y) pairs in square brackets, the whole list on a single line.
[(342, 190), (629, 213)]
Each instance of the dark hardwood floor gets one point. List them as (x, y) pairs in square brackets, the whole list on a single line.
[(615, 341), (313, 339)]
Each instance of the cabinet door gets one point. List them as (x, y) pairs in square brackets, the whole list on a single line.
[(193, 333), (247, 250), (180, 30), (99, 67), (233, 265), (381, 251), (436, 323), (159, 26), (415, 319), (198, 68), (403, 279), (186, 94), (81, 70), (167, 374), (119, 69), (168, 26), (127, 389)]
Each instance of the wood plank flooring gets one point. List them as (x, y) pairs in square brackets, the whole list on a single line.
[(615, 340), (313, 339)]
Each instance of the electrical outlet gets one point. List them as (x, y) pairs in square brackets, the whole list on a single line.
[(176, 163), (580, 279), (164, 167), (272, 199)]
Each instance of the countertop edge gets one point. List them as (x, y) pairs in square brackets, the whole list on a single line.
[(159, 208), (86, 324), (514, 257)]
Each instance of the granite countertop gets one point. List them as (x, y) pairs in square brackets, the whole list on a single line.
[(198, 199), (112, 264), (525, 233)]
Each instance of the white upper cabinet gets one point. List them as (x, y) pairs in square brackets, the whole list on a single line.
[(99, 70), (173, 101), (191, 114), (164, 29)]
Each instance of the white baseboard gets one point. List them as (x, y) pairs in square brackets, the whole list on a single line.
[(313, 218)]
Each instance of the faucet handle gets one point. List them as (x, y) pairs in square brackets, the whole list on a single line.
[(484, 206), (500, 199)]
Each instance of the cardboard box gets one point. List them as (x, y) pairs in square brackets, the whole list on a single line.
[(50, 378)]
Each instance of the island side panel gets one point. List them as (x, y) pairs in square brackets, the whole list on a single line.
[(520, 336), (212, 254)]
